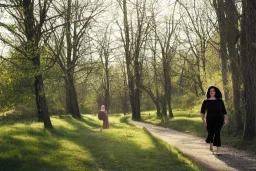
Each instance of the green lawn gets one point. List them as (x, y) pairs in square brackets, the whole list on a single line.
[(189, 121), (83, 145)]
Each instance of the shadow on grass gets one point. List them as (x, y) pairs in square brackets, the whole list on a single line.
[(19, 152), (189, 125), (90, 122), (125, 119), (161, 145), (15, 116), (117, 151), (12, 121), (108, 150), (188, 114), (155, 140)]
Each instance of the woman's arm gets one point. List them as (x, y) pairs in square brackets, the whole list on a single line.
[(224, 111), (203, 111), (203, 119), (225, 119)]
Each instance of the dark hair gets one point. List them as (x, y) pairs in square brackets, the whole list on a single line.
[(218, 94)]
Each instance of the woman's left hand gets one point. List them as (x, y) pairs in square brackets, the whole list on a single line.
[(205, 124)]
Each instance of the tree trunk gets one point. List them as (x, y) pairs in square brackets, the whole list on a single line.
[(165, 81), (42, 106), (219, 7), (73, 97), (248, 41), (38, 102), (198, 73), (68, 104), (157, 103), (169, 86), (107, 99), (71, 66), (163, 104), (107, 90), (137, 87), (33, 35), (104, 55), (166, 103), (125, 100), (232, 34), (128, 62)]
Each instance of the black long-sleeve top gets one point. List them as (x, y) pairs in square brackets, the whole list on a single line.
[(213, 108)]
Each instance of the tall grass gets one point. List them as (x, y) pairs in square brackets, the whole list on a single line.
[(190, 121), (84, 145)]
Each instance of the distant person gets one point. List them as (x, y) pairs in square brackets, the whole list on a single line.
[(103, 115), (216, 117)]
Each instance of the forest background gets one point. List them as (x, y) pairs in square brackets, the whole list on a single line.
[(70, 57)]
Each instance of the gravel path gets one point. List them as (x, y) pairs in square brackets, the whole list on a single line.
[(198, 151)]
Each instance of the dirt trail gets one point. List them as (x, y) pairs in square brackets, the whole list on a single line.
[(198, 151)]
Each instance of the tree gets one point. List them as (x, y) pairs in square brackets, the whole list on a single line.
[(133, 38), (17, 85), (104, 49), (121, 85), (232, 34), (151, 72), (29, 32), (165, 36), (219, 8), (248, 52), (72, 43), (198, 28)]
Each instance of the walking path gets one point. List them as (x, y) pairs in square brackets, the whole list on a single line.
[(198, 151)]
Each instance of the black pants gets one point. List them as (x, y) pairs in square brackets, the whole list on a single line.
[(214, 126)]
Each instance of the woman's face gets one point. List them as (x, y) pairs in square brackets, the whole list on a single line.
[(102, 107), (212, 92)]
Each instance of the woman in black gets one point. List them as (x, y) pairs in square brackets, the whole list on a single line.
[(216, 116)]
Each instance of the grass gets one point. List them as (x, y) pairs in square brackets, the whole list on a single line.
[(190, 122), (83, 145)]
